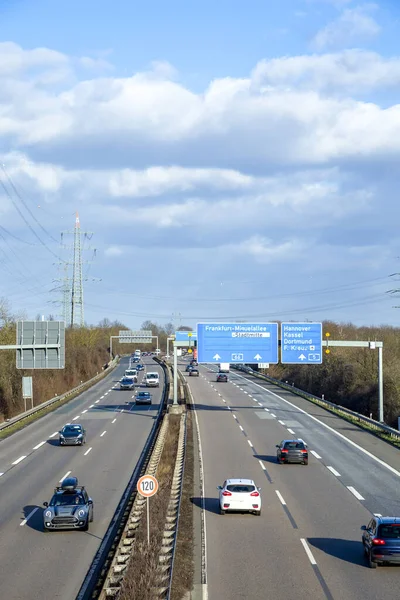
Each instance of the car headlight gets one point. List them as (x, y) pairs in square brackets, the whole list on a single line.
[(48, 514), (81, 513), (61, 436), (80, 435)]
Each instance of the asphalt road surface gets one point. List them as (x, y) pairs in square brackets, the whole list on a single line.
[(52, 565), (307, 542)]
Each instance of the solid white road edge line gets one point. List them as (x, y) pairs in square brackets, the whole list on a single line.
[(280, 497), (20, 459), (354, 492), (315, 454), (308, 552), (87, 452), (65, 476), (343, 437), (24, 522), (332, 470), (38, 446), (104, 432)]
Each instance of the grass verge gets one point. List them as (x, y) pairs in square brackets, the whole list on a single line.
[(140, 578), (183, 575), (4, 433)]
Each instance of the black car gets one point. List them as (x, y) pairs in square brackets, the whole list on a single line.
[(139, 367), (72, 434), (194, 363), (292, 451), (69, 508), (381, 540), (143, 398), (188, 368), (194, 373), (222, 377)]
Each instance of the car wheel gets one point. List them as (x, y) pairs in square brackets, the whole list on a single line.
[(91, 517), (258, 513), (46, 530), (221, 511), (86, 526), (278, 460), (372, 564), (305, 462)]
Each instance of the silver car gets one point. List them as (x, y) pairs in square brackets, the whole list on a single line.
[(69, 508)]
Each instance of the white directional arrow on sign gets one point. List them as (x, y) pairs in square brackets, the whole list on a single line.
[(258, 357), (302, 357), (217, 356)]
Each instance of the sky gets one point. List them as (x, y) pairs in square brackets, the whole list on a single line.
[(228, 160)]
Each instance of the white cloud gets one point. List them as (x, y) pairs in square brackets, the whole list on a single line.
[(353, 25), (114, 251)]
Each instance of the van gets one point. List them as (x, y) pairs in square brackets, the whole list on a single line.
[(152, 380)]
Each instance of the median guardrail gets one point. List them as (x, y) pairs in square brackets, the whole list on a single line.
[(336, 408), (80, 388)]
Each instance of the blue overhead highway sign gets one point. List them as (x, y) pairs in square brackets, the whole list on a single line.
[(185, 336), (237, 342), (301, 343)]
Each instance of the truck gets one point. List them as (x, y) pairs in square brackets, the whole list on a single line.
[(224, 367)]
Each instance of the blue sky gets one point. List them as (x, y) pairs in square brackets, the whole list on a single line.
[(232, 160)]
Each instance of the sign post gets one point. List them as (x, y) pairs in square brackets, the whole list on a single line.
[(147, 486)]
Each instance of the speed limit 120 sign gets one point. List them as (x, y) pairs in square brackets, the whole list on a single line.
[(147, 486)]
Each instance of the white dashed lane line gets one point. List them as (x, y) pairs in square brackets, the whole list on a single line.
[(87, 451), (104, 432), (262, 465), (250, 444), (53, 434), (282, 501), (332, 470), (91, 406), (290, 431), (24, 522), (113, 421), (65, 476), (241, 428), (38, 446), (281, 422), (84, 411), (97, 401), (308, 552), (354, 492), (266, 409), (234, 416), (20, 459), (75, 418), (315, 454)]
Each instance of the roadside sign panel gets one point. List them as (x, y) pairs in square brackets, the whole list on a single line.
[(135, 337), (147, 486), (237, 342), (185, 336), (43, 345), (301, 343), (27, 387)]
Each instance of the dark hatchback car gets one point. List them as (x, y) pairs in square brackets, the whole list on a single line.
[(143, 398), (292, 451), (72, 435), (188, 368), (381, 541), (222, 377), (69, 508), (194, 373)]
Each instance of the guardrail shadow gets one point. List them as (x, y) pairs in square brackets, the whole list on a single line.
[(350, 551), (211, 505), (36, 520)]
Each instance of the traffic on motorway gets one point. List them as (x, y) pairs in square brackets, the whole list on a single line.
[(322, 528), (65, 475)]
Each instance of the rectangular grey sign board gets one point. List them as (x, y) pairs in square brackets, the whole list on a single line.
[(133, 337), (43, 345), (27, 387)]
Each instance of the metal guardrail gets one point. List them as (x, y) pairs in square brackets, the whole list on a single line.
[(97, 573), (80, 388), (372, 424)]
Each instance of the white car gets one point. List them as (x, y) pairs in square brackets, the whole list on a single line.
[(241, 495)]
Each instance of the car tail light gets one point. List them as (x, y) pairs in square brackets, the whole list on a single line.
[(304, 451), (378, 542), (255, 505), (255, 494), (226, 493), (284, 450)]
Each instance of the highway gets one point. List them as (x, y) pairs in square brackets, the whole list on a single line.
[(52, 565), (307, 542)]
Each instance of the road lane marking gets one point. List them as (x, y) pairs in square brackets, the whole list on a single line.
[(290, 431), (315, 454), (97, 401), (234, 416), (91, 406), (281, 422), (354, 492), (267, 409), (38, 446), (308, 552), (53, 434), (101, 397), (113, 421), (250, 444), (332, 470), (377, 515), (84, 411), (104, 432), (343, 437), (24, 522), (65, 476), (223, 400), (1, 474), (262, 465), (20, 459), (241, 428), (280, 497), (87, 452), (260, 403), (75, 418)]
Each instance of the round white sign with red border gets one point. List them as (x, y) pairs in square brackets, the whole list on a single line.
[(147, 486)]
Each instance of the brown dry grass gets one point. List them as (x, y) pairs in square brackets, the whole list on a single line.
[(182, 580), (141, 572)]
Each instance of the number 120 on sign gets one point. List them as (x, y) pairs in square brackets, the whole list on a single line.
[(147, 486)]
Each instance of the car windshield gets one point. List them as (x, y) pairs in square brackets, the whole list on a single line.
[(294, 445), (143, 394), (240, 488), (126, 380), (72, 429), (389, 531), (67, 500)]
